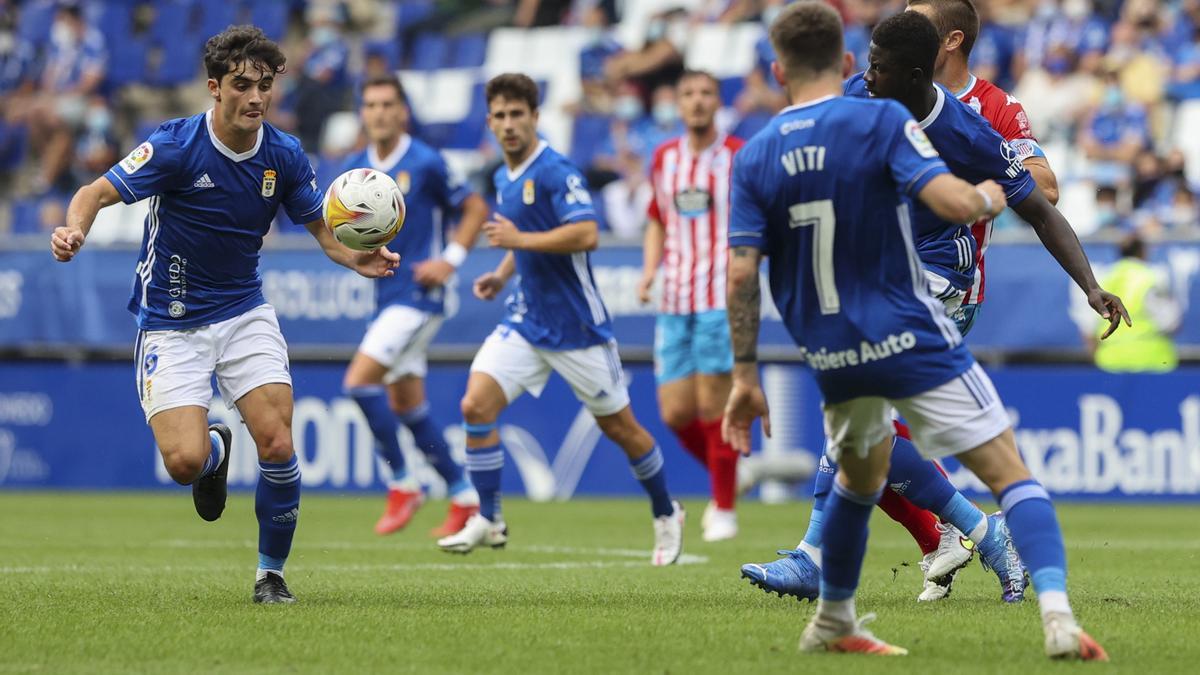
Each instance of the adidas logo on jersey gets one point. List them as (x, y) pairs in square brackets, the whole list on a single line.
[(204, 182)]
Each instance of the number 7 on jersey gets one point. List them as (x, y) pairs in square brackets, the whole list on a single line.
[(819, 214)]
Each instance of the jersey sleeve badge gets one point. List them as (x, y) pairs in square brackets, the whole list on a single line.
[(138, 158), (919, 140), (527, 194), (268, 183)]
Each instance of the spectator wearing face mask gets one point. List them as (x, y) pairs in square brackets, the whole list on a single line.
[(324, 85)]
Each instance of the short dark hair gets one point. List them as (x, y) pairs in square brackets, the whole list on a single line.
[(1132, 246), (910, 38), (242, 44), (690, 73), (952, 15), (386, 81), (807, 35), (514, 87)]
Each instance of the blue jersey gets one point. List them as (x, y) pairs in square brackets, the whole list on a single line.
[(974, 152), (209, 210), (428, 193), (556, 304), (823, 191)]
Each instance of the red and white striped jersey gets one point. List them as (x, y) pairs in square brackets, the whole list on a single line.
[(1007, 116), (691, 201)]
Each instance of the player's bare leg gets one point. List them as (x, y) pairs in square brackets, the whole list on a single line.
[(646, 461), (195, 453), (1036, 535), (267, 412), (678, 406), (836, 626), (407, 399), (481, 406), (364, 383)]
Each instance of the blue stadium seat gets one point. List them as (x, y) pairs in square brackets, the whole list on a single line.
[(412, 11), (388, 49), (127, 61), (271, 16), (587, 135), (13, 141), (468, 51), (217, 16), (173, 32), (34, 21), (731, 87), (429, 52), (114, 20)]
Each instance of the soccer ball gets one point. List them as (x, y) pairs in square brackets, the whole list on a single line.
[(364, 208)]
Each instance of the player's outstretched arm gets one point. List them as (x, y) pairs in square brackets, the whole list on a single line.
[(438, 272), (652, 255), (744, 308), (378, 263), (1059, 238), (565, 239), (66, 241), (1043, 175), (957, 201)]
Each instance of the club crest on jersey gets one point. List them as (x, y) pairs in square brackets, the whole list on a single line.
[(138, 158), (919, 140), (268, 183), (692, 202), (404, 181), (527, 192)]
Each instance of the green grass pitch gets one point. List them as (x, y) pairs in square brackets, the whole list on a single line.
[(124, 583)]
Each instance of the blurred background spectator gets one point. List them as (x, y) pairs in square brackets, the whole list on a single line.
[(1146, 346), (1112, 87)]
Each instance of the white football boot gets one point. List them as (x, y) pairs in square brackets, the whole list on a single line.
[(721, 525), (1066, 640), (668, 537), (478, 531)]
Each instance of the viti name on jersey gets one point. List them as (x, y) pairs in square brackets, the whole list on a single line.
[(802, 159)]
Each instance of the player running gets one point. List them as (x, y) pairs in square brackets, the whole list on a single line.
[(903, 50), (823, 192), (387, 374), (685, 233), (556, 321), (215, 181)]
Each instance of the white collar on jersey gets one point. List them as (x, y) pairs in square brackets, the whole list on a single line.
[(223, 149), (685, 147), (967, 89), (937, 108), (385, 164), (514, 174), (806, 104)]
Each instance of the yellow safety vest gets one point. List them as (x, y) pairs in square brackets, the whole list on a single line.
[(1141, 347)]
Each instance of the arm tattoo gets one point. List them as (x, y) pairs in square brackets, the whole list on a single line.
[(744, 305)]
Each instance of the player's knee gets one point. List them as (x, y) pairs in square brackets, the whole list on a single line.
[(275, 447), (183, 466), (677, 417), (475, 410)]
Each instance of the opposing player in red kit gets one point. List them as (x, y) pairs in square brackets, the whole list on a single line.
[(693, 357)]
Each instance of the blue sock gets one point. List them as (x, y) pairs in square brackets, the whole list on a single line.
[(845, 541), (215, 456), (277, 505), (826, 470), (1036, 534), (484, 465), (916, 478), (374, 403), (648, 469), (430, 440)]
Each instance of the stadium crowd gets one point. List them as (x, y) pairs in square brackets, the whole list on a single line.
[(1110, 86)]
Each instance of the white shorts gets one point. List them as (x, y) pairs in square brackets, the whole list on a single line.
[(399, 339), (594, 373), (175, 367), (940, 288), (957, 416)]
